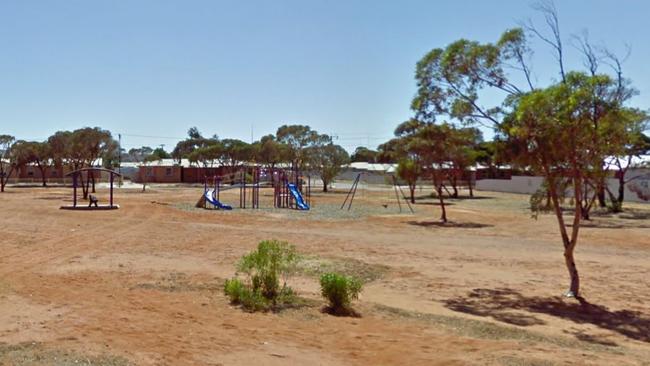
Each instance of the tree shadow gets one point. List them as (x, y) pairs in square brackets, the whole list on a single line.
[(634, 215), (599, 224), (447, 197), (450, 224), (429, 203), (501, 304), (591, 338), (468, 198)]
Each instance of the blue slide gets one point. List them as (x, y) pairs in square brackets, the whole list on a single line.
[(297, 196), (209, 196)]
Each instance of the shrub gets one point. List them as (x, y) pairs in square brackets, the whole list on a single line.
[(273, 260), (252, 300), (242, 295), (233, 289), (340, 290), (265, 267)]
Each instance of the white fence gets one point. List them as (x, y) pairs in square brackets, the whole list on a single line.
[(637, 190)]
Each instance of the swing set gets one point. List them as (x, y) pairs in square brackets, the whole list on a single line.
[(353, 190)]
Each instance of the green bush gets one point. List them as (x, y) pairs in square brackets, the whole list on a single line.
[(267, 269), (340, 290), (253, 300), (271, 262), (233, 289)]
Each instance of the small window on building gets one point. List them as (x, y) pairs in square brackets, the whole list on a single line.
[(149, 172), (168, 171), (30, 173)]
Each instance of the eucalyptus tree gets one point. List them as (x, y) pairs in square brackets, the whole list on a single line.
[(409, 170), (33, 152), (638, 145), (7, 161), (269, 152), (564, 130), (298, 138), (327, 160), (552, 132), (364, 154), (194, 141)]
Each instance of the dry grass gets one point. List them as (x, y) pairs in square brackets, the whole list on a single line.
[(29, 354), (315, 266)]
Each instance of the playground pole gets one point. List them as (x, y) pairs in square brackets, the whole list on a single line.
[(74, 190), (353, 187), (111, 194), (354, 193), (396, 195), (205, 190)]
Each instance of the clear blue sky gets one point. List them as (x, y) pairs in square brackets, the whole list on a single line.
[(156, 67)]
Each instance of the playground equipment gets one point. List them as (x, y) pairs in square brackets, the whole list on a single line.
[(288, 191), (300, 203), (353, 190), (78, 177)]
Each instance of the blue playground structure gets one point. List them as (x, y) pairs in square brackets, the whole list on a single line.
[(211, 199), (287, 188), (300, 202)]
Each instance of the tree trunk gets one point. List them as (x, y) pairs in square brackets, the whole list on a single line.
[(325, 183), (621, 190), (602, 203), (4, 177), (42, 169), (443, 216), (454, 185), (471, 190), (569, 243), (412, 190), (93, 180), (574, 288)]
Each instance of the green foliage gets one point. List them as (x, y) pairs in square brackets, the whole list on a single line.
[(297, 139), (267, 269), (340, 290), (327, 161), (272, 261), (269, 151), (233, 288), (363, 154), (82, 147)]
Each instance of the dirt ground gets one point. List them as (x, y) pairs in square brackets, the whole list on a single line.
[(143, 284)]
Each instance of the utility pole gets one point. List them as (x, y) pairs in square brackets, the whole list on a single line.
[(119, 158)]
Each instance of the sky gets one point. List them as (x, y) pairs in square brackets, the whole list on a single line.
[(151, 69)]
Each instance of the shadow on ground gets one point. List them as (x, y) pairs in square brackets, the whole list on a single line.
[(509, 306), (450, 224), (612, 224)]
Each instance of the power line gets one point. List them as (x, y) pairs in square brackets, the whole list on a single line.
[(155, 137)]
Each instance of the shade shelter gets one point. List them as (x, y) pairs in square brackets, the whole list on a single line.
[(77, 177)]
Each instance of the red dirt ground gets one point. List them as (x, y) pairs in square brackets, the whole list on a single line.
[(145, 283)]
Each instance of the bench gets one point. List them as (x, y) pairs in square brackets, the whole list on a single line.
[(92, 200)]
